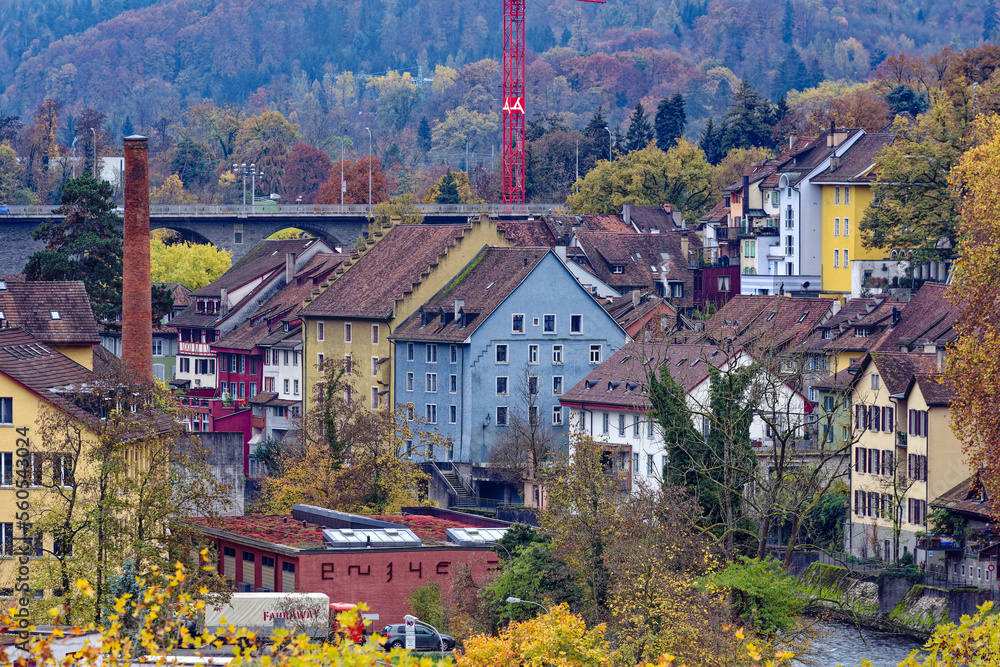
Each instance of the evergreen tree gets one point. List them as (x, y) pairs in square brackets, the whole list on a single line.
[(711, 142), (670, 121), (640, 131), (424, 136), (127, 129), (903, 99), (192, 162), (787, 23), (989, 20), (449, 190), (748, 121), (617, 140)]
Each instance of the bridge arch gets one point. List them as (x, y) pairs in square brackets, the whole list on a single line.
[(186, 233), (318, 231)]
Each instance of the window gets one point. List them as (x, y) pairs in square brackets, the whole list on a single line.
[(557, 385), (533, 385), (557, 354), (595, 354), (548, 324), (635, 463), (533, 415), (347, 395), (375, 399), (606, 424), (836, 226), (635, 427), (157, 346), (431, 382), (617, 268), (501, 385), (453, 384), (7, 469), (649, 429), (453, 354), (723, 283), (917, 423), (374, 366), (517, 324), (749, 249), (847, 226), (185, 365), (204, 366), (576, 324), (836, 258), (532, 354), (452, 414), (409, 351), (847, 198), (876, 382), (320, 331), (409, 382), (34, 469), (501, 415), (557, 415), (847, 259), (621, 425), (375, 331), (501, 353), (431, 355), (836, 195), (7, 411), (348, 365), (320, 359), (62, 470), (677, 290), (789, 245), (347, 332)]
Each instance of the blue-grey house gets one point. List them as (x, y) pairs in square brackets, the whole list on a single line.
[(513, 323)]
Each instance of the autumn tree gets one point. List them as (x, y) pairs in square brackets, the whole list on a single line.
[(736, 163), (94, 139), (462, 127), (680, 177), (193, 265), (350, 458), (12, 174), (913, 207), (306, 170), (122, 469), (171, 192), (972, 365), (397, 97), (459, 191), (356, 179)]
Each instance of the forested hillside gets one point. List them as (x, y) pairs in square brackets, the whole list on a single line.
[(424, 77)]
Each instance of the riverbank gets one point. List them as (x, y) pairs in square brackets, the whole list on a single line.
[(892, 604), (846, 644)]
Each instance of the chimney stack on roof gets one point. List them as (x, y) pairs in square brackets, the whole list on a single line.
[(289, 267), (137, 301), (792, 138)]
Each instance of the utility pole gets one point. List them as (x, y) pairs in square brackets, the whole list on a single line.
[(369, 170), (343, 187)]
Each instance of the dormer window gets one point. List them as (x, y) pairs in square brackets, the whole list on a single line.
[(54, 314), (617, 268)]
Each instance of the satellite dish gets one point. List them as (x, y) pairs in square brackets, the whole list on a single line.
[(805, 285)]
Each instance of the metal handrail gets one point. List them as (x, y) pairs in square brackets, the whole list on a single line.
[(237, 210)]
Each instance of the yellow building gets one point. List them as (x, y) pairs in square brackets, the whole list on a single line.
[(32, 375), (354, 316), (56, 313), (846, 192), (904, 453)]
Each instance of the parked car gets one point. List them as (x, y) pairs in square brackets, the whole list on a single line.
[(4, 209), (426, 639)]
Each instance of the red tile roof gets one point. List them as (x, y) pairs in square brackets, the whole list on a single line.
[(527, 233), (857, 161), (31, 305), (370, 287), (936, 389), (766, 323), (927, 319), (609, 222), (482, 286), (898, 370), (622, 380)]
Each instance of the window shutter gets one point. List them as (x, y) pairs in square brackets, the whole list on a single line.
[(877, 418), (857, 462), (924, 412)]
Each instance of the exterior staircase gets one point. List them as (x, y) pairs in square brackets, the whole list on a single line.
[(463, 498)]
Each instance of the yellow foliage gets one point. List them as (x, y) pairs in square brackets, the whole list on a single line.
[(464, 189), (191, 264), (558, 638), (170, 193)]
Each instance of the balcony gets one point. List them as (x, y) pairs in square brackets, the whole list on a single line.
[(900, 439), (941, 543)]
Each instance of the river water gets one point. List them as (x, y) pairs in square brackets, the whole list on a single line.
[(844, 644)]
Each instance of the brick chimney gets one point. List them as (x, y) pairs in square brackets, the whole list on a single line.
[(137, 305)]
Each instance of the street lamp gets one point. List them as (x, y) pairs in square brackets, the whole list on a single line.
[(369, 171), (514, 600), (253, 186), (610, 140), (96, 176), (413, 619), (73, 146), (343, 186)]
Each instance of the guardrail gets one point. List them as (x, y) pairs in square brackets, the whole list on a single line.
[(284, 210)]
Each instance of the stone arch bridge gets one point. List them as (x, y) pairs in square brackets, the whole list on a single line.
[(239, 228)]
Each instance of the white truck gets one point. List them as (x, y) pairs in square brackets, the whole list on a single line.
[(307, 613)]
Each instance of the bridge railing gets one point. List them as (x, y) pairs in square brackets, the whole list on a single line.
[(286, 210)]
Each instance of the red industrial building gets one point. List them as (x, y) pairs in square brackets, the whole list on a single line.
[(351, 558)]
